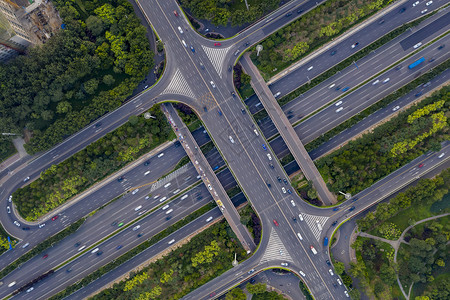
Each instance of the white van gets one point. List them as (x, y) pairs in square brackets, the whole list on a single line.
[(95, 250), (299, 236), (171, 242), (161, 155), (169, 211), (165, 207), (138, 208), (82, 247), (26, 245), (209, 219), (176, 191), (256, 132), (184, 43), (441, 155), (162, 199), (184, 197), (313, 250), (11, 284), (167, 185)]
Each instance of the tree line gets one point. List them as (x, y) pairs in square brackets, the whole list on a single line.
[(84, 71), (60, 182)]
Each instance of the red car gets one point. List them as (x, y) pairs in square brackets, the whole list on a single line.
[(175, 13), (217, 44), (275, 222), (420, 166), (54, 218), (45, 256)]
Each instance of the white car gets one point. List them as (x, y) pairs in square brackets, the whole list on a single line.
[(180, 30), (284, 264), (10, 198), (331, 86), (396, 108), (26, 179), (339, 109), (441, 155), (284, 190), (17, 223), (209, 219), (301, 273), (375, 82), (299, 236), (415, 3), (300, 217), (310, 68), (165, 207), (269, 156), (231, 139), (209, 187), (162, 199), (256, 132), (8, 209), (138, 208), (331, 272), (171, 242), (212, 84), (417, 45), (339, 281), (386, 80), (30, 289), (429, 3), (166, 186), (338, 103), (136, 227), (160, 155), (135, 191), (293, 203), (26, 245), (41, 225), (346, 294), (277, 94), (424, 11)]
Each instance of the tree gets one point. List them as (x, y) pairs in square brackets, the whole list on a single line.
[(339, 267), (257, 288), (245, 78), (235, 294), (63, 107), (387, 274), (108, 79), (90, 86), (95, 25)]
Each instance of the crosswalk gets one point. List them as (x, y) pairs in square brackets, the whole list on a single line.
[(169, 177), (216, 56), (275, 250), (315, 223), (179, 86)]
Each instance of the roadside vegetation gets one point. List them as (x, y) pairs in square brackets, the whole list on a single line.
[(221, 12), (259, 291), (206, 256), (425, 261), (7, 148), (97, 161), (84, 71), (251, 220), (4, 244), (413, 132), (312, 30)]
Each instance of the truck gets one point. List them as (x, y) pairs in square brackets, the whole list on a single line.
[(220, 205), (416, 63)]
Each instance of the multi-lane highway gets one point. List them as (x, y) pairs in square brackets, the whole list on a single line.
[(208, 91)]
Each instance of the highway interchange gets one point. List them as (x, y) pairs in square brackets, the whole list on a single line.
[(245, 157)]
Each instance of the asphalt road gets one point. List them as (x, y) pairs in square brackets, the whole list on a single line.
[(181, 72)]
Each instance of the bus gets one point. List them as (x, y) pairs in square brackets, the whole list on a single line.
[(416, 63)]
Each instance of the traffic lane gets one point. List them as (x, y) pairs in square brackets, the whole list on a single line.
[(424, 32), (179, 205), (377, 116), (368, 95), (110, 252), (392, 20), (353, 75), (147, 254)]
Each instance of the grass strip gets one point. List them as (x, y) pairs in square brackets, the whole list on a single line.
[(133, 252), (41, 247)]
